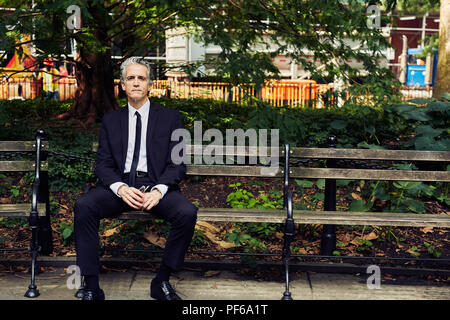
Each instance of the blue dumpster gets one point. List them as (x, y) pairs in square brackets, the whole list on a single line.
[(415, 68)]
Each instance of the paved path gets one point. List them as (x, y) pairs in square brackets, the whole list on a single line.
[(225, 285)]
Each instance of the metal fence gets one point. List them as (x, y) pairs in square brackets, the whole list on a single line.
[(274, 93)]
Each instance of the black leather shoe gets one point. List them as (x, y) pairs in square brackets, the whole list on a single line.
[(162, 291), (93, 295)]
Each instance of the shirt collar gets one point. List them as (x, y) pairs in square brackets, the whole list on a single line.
[(143, 111)]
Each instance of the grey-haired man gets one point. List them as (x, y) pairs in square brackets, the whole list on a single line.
[(135, 152)]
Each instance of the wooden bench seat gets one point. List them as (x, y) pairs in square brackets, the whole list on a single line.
[(20, 210), (312, 217)]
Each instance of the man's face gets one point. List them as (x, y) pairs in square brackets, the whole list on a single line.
[(136, 84)]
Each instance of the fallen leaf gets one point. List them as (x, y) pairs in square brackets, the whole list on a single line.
[(356, 196), (302, 251), (63, 209), (221, 243), (155, 239), (211, 273), (210, 232), (279, 235), (370, 236), (426, 229), (214, 286), (414, 253), (5, 200), (205, 225), (110, 232)]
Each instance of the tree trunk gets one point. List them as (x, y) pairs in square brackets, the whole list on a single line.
[(94, 96), (442, 81), (95, 92)]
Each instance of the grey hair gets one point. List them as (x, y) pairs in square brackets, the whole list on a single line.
[(134, 60)]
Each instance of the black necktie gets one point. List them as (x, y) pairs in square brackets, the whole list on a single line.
[(137, 146)]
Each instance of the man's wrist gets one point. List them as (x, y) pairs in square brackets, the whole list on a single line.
[(161, 188), (116, 186), (158, 192)]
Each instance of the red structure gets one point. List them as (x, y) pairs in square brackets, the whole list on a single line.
[(414, 27)]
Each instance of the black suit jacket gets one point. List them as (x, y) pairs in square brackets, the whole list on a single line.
[(113, 142)]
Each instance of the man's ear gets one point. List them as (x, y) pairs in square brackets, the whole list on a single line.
[(123, 85)]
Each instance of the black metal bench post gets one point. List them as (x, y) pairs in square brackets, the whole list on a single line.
[(289, 230), (45, 229), (328, 243), (34, 248), (286, 175), (289, 227)]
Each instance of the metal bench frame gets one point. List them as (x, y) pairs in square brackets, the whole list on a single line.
[(329, 217), (38, 211)]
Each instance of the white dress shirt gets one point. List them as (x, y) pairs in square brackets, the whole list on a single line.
[(142, 162)]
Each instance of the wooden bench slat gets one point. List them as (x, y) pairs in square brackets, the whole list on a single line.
[(221, 150), (399, 155), (369, 174), (372, 218), (21, 165), (20, 209), (233, 170), (223, 214), (21, 146), (312, 217)]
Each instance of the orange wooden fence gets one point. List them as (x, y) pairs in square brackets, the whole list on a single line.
[(276, 93)]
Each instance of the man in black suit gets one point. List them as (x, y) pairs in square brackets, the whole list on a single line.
[(135, 151)]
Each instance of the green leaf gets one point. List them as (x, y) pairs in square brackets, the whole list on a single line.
[(320, 183), (424, 143), (360, 206), (406, 184), (446, 96), (418, 115), (439, 106), (415, 205), (67, 233), (429, 131), (364, 144), (421, 101), (343, 182), (304, 183), (338, 124), (370, 129), (319, 196)]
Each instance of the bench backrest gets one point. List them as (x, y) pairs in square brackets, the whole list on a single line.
[(22, 165), (333, 154)]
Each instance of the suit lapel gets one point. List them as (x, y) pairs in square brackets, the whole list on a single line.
[(124, 134), (151, 124), (152, 121)]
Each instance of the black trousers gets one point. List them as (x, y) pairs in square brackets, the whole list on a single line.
[(100, 202)]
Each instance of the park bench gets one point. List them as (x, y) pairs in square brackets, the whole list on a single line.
[(292, 166), (38, 211), (336, 169), (283, 216)]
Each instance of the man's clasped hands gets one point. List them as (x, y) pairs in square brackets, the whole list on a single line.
[(139, 199)]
